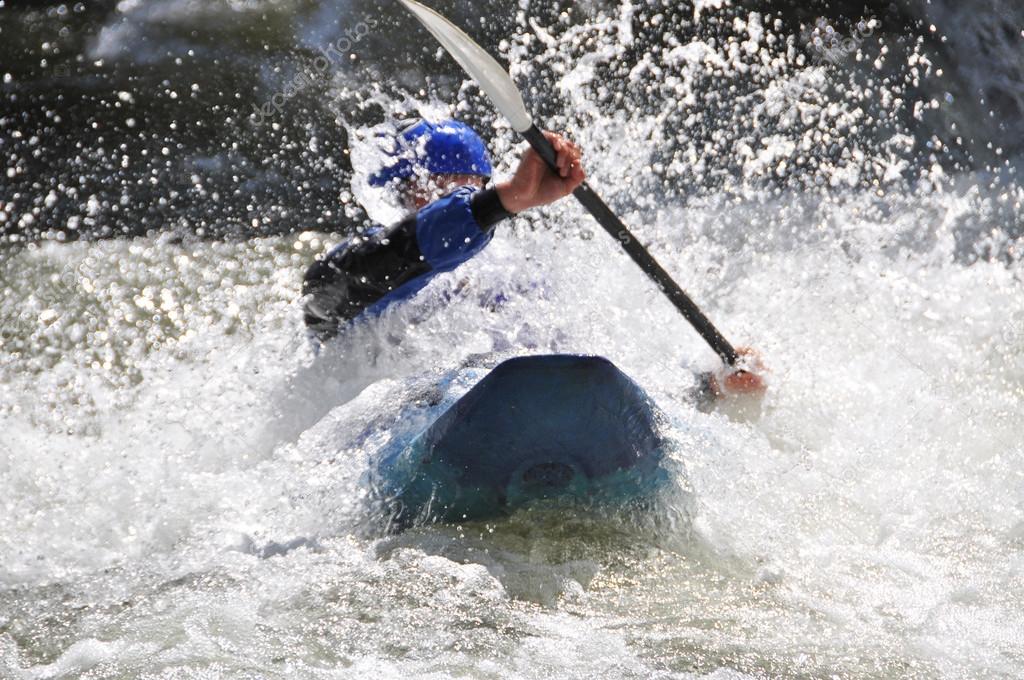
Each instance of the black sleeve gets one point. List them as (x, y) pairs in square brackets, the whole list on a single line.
[(487, 209), (359, 273), (703, 394)]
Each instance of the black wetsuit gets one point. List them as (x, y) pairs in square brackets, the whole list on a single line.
[(367, 273)]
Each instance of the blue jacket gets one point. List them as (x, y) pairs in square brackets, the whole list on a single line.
[(364, 275)]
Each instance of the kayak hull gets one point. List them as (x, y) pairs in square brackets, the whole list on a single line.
[(555, 427)]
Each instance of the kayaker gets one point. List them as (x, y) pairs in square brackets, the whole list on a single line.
[(440, 171)]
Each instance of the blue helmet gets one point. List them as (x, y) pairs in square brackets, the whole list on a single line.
[(447, 148)]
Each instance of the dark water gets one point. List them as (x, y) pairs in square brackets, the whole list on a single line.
[(227, 118)]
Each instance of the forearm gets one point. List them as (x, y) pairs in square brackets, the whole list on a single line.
[(511, 198)]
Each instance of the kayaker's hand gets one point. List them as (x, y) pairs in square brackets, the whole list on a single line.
[(744, 382), (745, 379), (535, 184)]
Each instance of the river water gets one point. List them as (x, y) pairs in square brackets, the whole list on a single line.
[(181, 480)]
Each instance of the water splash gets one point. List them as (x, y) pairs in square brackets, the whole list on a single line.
[(181, 478)]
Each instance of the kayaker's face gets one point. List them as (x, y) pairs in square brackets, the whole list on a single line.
[(422, 193)]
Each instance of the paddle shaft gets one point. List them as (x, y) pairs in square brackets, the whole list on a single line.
[(614, 226)]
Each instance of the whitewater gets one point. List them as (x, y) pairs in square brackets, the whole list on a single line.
[(182, 478)]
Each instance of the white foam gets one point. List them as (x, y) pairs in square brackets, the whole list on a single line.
[(193, 483)]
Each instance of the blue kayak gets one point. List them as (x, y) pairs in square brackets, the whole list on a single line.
[(558, 427)]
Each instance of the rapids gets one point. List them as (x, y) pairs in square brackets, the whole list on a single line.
[(182, 480)]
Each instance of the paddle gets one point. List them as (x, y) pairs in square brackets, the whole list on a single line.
[(498, 85)]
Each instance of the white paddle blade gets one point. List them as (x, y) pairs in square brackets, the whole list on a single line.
[(487, 72)]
